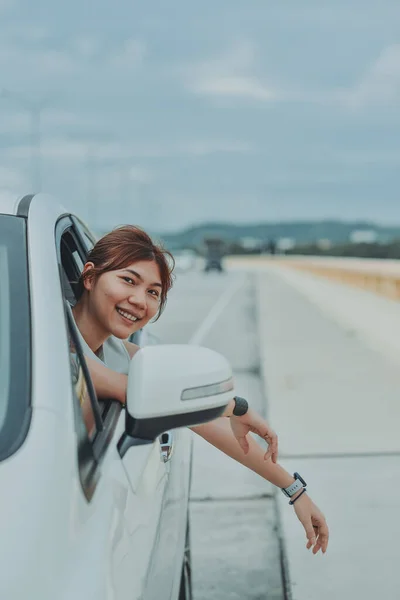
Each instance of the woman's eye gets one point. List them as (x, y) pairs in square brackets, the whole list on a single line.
[(154, 293), (128, 280)]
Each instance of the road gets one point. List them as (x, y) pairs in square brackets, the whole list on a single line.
[(327, 357), (332, 365), (235, 546)]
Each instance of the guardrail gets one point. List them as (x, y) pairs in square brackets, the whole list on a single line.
[(381, 277)]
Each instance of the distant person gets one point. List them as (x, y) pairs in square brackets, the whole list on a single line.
[(124, 284)]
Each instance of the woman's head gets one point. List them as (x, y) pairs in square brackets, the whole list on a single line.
[(126, 272)]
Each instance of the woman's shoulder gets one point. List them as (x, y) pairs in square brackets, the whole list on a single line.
[(131, 348), (116, 355)]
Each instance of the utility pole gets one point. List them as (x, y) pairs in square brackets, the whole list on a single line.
[(34, 109)]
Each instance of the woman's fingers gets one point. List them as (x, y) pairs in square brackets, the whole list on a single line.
[(310, 533), (314, 523), (272, 441), (323, 535), (244, 444), (320, 535)]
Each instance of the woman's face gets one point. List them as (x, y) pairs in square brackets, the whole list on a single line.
[(125, 300)]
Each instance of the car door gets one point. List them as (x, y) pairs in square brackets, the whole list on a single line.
[(158, 474)]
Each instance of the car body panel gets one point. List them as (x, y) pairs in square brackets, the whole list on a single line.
[(58, 549), (47, 310)]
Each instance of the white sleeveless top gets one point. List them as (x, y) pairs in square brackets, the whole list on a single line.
[(113, 354)]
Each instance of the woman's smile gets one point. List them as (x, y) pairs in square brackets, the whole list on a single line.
[(127, 316)]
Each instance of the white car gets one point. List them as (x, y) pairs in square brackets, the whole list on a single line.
[(99, 514)]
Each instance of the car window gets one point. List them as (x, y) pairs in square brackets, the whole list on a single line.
[(81, 388), (95, 420), (87, 237), (72, 261), (14, 335), (5, 334)]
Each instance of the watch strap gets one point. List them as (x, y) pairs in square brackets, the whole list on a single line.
[(297, 497)]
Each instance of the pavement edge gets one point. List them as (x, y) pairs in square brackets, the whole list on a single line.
[(284, 562)]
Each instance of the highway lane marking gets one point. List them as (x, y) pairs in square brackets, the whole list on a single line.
[(215, 312)]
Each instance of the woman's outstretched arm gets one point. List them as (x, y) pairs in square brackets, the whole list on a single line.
[(219, 434), (224, 434)]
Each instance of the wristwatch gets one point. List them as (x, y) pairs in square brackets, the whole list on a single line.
[(295, 486), (241, 406)]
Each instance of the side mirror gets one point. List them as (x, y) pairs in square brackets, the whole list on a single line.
[(175, 385)]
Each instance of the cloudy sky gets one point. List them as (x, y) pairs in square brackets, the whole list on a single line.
[(168, 113)]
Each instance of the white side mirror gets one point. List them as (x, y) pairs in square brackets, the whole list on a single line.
[(173, 386)]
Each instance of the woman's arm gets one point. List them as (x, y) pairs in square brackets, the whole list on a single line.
[(107, 383), (219, 434)]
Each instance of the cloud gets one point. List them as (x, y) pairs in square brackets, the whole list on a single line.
[(7, 5), (379, 86), (86, 46), (245, 87), (36, 62), (13, 183), (65, 149), (11, 178), (39, 58), (141, 175), (130, 54), (59, 117), (229, 75), (206, 148), (15, 123)]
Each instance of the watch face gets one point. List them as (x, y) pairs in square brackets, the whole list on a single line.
[(299, 477)]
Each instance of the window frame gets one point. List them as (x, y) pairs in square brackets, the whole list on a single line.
[(19, 410), (90, 452)]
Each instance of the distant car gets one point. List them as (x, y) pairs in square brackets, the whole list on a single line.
[(214, 251), (213, 264), (89, 508)]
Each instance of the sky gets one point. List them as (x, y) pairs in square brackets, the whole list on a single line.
[(168, 114)]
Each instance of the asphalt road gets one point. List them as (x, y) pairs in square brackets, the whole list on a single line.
[(235, 545)]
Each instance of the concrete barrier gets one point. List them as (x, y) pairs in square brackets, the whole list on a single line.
[(378, 276), (371, 275)]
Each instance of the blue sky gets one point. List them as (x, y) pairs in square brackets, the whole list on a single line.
[(171, 113)]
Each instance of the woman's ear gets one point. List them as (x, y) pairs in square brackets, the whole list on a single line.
[(88, 277)]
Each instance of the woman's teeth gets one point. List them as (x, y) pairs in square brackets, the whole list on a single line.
[(127, 315)]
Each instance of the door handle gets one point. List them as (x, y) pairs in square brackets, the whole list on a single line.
[(167, 445)]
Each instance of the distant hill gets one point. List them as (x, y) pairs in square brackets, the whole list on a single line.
[(302, 232)]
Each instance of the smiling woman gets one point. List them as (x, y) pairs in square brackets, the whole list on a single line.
[(126, 246), (124, 285)]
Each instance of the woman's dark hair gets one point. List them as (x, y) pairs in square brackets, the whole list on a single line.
[(122, 247)]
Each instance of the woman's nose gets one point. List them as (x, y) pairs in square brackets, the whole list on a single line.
[(138, 298)]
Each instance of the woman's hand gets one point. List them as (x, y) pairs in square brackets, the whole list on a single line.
[(314, 523), (251, 421)]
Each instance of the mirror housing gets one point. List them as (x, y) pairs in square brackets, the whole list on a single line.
[(175, 385)]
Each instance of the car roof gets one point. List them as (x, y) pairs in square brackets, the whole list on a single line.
[(13, 204)]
